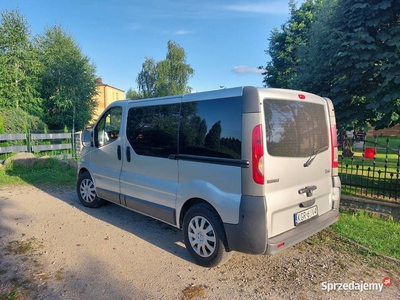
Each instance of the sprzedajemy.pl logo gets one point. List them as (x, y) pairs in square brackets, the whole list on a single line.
[(356, 286)]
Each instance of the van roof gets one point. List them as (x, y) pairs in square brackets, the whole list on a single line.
[(229, 92)]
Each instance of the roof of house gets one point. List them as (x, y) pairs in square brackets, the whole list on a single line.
[(100, 83)]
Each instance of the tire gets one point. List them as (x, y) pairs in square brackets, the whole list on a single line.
[(87, 191), (204, 236)]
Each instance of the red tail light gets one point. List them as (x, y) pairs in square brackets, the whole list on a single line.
[(257, 155), (335, 161)]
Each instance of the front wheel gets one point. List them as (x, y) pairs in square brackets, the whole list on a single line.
[(204, 236), (87, 191)]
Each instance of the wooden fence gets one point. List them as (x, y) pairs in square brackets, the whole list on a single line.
[(53, 144)]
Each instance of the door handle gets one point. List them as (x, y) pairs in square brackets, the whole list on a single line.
[(119, 152), (128, 154), (308, 190)]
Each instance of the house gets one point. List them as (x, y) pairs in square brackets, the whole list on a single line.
[(106, 94)]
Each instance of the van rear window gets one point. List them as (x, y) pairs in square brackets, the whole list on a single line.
[(295, 128)]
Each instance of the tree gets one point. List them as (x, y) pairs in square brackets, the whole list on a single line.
[(133, 95), (367, 58), (167, 77), (68, 81), (353, 57), (19, 67), (146, 79), (283, 44)]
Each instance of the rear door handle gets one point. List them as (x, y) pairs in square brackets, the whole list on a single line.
[(308, 190), (128, 154)]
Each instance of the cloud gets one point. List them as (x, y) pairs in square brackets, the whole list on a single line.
[(182, 32), (133, 26), (247, 70), (259, 8)]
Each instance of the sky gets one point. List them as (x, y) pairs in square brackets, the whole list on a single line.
[(224, 41)]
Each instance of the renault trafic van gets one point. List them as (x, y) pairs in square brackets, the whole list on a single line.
[(245, 169)]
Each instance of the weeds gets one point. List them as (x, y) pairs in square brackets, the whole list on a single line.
[(20, 247)]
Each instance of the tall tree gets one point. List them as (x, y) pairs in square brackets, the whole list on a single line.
[(132, 94), (19, 67), (146, 79), (166, 77), (353, 57), (367, 58), (283, 44), (68, 80)]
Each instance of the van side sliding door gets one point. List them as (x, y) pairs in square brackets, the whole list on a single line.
[(149, 178)]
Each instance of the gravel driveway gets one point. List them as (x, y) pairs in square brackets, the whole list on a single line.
[(51, 247)]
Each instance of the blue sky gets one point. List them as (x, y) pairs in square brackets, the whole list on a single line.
[(224, 40)]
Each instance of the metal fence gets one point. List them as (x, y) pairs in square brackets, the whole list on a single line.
[(372, 170)]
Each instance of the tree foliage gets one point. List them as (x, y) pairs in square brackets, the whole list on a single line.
[(350, 52), (68, 80), (284, 43), (47, 76), (19, 66), (132, 94), (166, 77)]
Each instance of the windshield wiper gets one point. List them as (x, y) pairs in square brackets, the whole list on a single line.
[(313, 156)]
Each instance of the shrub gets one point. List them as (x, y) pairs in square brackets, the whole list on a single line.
[(18, 121)]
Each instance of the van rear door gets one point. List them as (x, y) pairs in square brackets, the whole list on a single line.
[(297, 160)]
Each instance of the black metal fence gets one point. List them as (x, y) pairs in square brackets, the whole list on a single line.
[(372, 170)]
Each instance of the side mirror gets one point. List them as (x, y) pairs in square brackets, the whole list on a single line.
[(86, 138)]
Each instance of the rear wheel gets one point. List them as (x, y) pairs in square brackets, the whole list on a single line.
[(87, 191), (204, 236)]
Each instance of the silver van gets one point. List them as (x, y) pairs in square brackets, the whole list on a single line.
[(245, 169)]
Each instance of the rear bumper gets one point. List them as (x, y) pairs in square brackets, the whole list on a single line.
[(301, 232), (250, 234)]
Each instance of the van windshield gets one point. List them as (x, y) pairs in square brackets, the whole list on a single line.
[(295, 128)]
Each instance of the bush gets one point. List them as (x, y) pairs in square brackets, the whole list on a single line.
[(18, 121)]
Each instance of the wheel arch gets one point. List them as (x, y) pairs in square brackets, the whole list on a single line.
[(82, 170)]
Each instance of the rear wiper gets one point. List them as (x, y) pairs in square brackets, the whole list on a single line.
[(314, 155)]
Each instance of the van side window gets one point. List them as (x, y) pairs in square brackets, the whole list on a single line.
[(107, 129), (153, 130), (295, 128), (212, 128)]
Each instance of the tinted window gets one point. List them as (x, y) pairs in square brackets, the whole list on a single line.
[(153, 130), (107, 129), (294, 128), (212, 128)]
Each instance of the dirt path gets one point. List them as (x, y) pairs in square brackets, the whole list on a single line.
[(51, 247)]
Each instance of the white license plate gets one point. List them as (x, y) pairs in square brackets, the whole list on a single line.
[(305, 215)]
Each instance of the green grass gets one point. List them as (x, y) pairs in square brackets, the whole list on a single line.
[(382, 236), (51, 171), (394, 141)]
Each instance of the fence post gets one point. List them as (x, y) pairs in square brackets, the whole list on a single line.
[(28, 138), (73, 144)]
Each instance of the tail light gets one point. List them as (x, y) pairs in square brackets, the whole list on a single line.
[(335, 161), (257, 155)]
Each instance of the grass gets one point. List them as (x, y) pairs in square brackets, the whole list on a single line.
[(51, 171), (19, 247), (394, 141), (382, 236)]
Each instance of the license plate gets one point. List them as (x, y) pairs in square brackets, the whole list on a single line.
[(305, 215)]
